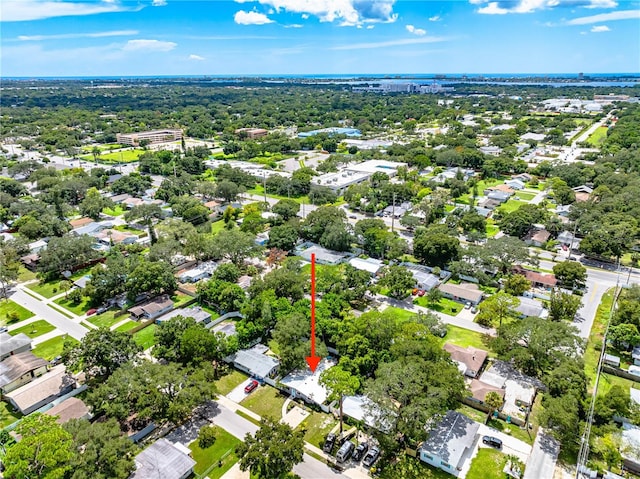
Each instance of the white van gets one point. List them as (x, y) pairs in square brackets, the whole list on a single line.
[(345, 451)]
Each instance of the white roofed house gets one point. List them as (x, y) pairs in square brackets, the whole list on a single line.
[(254, 362), (164, 460), (370, 265), (10, 345), (305, 385)]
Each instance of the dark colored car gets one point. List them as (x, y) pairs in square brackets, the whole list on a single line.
[(329, 442), (492, 441), (251, 386), (371, 457), (91, 311), (360, 451)]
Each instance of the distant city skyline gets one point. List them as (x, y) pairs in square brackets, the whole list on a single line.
[(277, 37)]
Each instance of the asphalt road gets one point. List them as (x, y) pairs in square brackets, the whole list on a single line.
[(42, 310), (542, 461)]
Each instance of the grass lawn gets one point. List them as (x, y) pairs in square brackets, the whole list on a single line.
[(10, 308), (35, 329), (124, 156), (207, 460), (523, 195), (594, 343), (399, 313), (25, 275), (317, 426), (446, 306), (512, 430), (463, 337), (492, 230), (106, 320), (416, 468), (471, 413), (487, 464), (76, 308), (117, 210), (510, 206), (180, 298), (259, 190), (48, 290), (265, 401), (146, 337), (127, 326), (598, 136), (217, 226), (7, 415), (52, 348), (229, 382)]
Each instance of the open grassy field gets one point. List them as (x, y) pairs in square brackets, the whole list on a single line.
[(146, 336), (124, 156), (76, 308), (416, 468), (48, 290), (217, 459), (103, 147), (25, 275), (105, 320), (217, 226), (317, 426), (399, 313), (12, 312), (259, 190), (446, 306), (35, 329), (523, 195), (265, 401), (127, 326), (487, 464), (117, 210), (229, 382), (7, 415), (511, 205), (464, 337), (597, 137), (52, 348)]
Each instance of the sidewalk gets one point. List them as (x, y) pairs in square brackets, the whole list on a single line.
[(44, 337)]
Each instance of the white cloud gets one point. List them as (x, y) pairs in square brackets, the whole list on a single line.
[(293, 25), (346, 12), (149, 46), (390, 43), (416, 31), (24, 10), (435, 18), (251, 18), (502, 7), (370, 27), (62, 36), (606, 17), (600, 29), (159, 3), (196, 57)]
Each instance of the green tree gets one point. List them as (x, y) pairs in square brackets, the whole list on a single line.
[(398, 279), (65, 286), (45, 450), (292, 335), (286, 209), (228, 272), (563, 306), (65, 253), (434, 246), (498, 306), (96, 152), (570, 274), (101, 352), (561, 417), (235, 246), (340, 383), (283, 237), (147, 213), (101, 451), (9, 265), (93, 204), (273, 451), (151, 277), (434, 296), (624, 335), (227, 190), (516, 284), (206, 437), (222, 295)]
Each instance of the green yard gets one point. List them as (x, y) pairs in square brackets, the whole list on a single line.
[(52, 348), (229, 382), (11, 312), (146, 336), (35, 329), (106, 320), (317, 426), (127, 326), (598, 136), (217, 459), (259, 190), (523, 195), (76, 308), (48, 290), (117, 210), (25, 275), (124, 156), (464, 337), (265, 401), (7, 415), (488, 464), (180, 299), (446, 306), (510, 206), (217, 226), (492, 230), (400, 314), (407, 466)]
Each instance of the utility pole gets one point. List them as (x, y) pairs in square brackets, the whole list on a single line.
[(264, 187), (393, 213)]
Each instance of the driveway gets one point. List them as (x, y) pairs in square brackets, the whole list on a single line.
[(510, 445), (542, 461), (238, 394)]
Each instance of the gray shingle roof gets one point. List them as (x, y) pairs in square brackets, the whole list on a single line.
[(10, 343), (450, 438), (162, 460)]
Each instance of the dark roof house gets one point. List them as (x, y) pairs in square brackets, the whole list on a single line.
[(470, 359), (19, 369), (10, 345)]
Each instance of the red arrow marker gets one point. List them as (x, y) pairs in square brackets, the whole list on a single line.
[(313, 360)]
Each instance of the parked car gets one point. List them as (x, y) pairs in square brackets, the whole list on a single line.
[(467, 305), (4, 329), (492, 441), (360, 451), (474, 309), (91, 311), (371, 457), (251, 386), (345, 451), (415, 291), (421, 292), (329, 442)]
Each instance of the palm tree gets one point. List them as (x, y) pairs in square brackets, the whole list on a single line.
[(96, 152), (494, 401)]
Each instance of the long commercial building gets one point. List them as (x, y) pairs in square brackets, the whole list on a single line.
[(155, 136)]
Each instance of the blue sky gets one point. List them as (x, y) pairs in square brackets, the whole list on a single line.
[(183, 37)]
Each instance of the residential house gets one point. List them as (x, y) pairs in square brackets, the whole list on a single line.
[(499, 196), (361, 408), (82, 282), (630, 447), (462, 292), (531, 307), (254, 362), (503, 188), (515, 184), (479, 391), (611, 360), (111, 179), (491, 150), (117, 199), (450, 443), (41, 391), (563, 211), (20, 369), (537, 237), (470, 360), (635, 355), (70, 408), (10, 345), (152, 309), (569, 239), (131, 202), (195, 312), (37, 246), (306, 385), (484, 212), (163, 459), (92, 228), (524, 177), (370, 265), (78, 222), (110, 237), (194, 275), (537, 280), (583, 192), (323, 255), (424, 280), (520, 389), (489, 204)]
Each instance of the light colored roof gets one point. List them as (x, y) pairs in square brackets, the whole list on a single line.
[(10, 343), (361, 408), (80, 222), (17, 365), (151, 307), (47, 385), (472, 358), (450, 438), (72, 408), (426, 280), (162, 460), (194, 312), (479, 390), (255, 361), (530, 307), (323, 254), (370, 265), (468, 291), (307, 383)]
